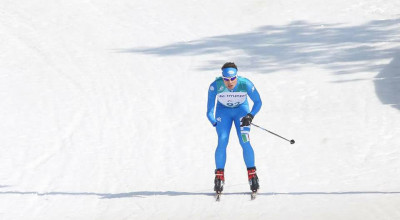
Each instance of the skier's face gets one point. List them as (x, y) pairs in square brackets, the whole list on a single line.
[(230, 83)]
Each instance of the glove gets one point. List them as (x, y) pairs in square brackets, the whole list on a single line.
[(246, 120), (215, 124)]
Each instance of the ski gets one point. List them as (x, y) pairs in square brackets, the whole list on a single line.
[(253, 195)]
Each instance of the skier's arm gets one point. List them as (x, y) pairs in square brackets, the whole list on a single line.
[(212, 93), (255, 97)]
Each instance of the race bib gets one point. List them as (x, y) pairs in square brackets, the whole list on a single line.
[(231, 99)]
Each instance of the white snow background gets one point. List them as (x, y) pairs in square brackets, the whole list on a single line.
[(103, 108)]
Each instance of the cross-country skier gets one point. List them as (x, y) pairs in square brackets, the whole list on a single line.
[(231, 92)]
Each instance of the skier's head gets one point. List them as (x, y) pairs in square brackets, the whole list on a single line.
[(229, 74), (229, 69)]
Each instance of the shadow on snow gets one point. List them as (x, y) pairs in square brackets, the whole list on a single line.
[(341, 49), (143, 194), (344, 49), (387, 83)]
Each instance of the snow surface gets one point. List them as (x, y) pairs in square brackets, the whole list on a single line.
[(103, 108)]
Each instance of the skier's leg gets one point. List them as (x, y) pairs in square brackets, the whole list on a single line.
[(224, 124), (243, 134), (248, 153)]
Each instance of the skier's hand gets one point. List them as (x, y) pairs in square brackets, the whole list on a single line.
[(246, 120), (215, 124)]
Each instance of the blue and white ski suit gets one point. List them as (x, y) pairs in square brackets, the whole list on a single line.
[(232, 105)]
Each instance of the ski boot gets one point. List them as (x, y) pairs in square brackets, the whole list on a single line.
[(219, 180), (219, 183), (253, 179)]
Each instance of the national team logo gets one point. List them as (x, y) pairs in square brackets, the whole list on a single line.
[(245, 133), (219, 119), (212, 88), (245, 138)]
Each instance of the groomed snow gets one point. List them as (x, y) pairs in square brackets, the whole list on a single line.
[(103, 109)]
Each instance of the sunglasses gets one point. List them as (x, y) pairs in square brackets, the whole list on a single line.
[(229, 78)]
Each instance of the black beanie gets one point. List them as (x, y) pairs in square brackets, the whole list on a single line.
[(229, 64)]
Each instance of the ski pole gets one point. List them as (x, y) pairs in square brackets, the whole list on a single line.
[(291, 141)]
